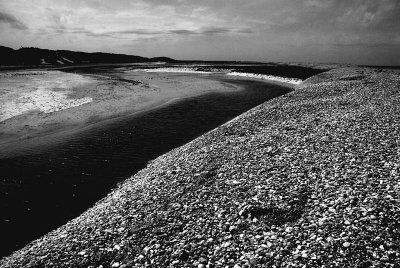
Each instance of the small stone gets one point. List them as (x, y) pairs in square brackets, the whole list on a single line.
[(146, 250), (203, 260), (226, 244), (237, 266), (184, 256), (253, 261), (346, 244), (201, 266), (117, 247), (115, 264)]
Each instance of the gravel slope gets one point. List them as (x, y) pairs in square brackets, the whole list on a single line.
[(312, 177)]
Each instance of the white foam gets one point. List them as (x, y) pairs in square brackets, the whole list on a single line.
[(172, 70), (44, 100), (50, 93), (294, 81)]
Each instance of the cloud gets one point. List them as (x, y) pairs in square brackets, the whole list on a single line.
[(12, 21), (215, 30), (369, 45), (183, 32), (137, 32), (338, 15), (210, 31)]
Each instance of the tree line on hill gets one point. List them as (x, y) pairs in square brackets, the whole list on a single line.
[(31, 56)]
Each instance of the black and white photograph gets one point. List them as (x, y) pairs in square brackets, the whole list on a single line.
[(199, 133)]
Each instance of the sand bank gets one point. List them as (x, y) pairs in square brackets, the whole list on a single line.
[(40, 103)]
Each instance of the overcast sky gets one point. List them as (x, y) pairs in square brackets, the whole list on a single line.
[(353, 31)]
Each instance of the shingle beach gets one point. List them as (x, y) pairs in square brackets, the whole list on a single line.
[(309, 179)]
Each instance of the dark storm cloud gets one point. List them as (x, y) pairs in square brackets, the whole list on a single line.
[(12, 21)]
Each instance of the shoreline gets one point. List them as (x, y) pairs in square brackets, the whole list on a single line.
[(70, 177), (55, 130), (282, 183), (64, 133)]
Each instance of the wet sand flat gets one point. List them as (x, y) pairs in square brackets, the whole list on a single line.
[(35, 104)]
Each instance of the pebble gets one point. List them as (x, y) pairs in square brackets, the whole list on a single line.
[(203, 260)]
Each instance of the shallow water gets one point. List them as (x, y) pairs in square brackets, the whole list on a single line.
[(42, 190)]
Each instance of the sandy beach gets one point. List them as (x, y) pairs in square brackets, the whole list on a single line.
[(38, 104)]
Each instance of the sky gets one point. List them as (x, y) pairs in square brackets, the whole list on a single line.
[(334, 31)]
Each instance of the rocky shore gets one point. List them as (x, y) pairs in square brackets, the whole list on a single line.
[(310, 178)]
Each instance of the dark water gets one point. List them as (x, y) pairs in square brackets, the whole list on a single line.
[(43, 190)]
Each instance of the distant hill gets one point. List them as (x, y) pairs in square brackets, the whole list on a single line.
[(30, 56)]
